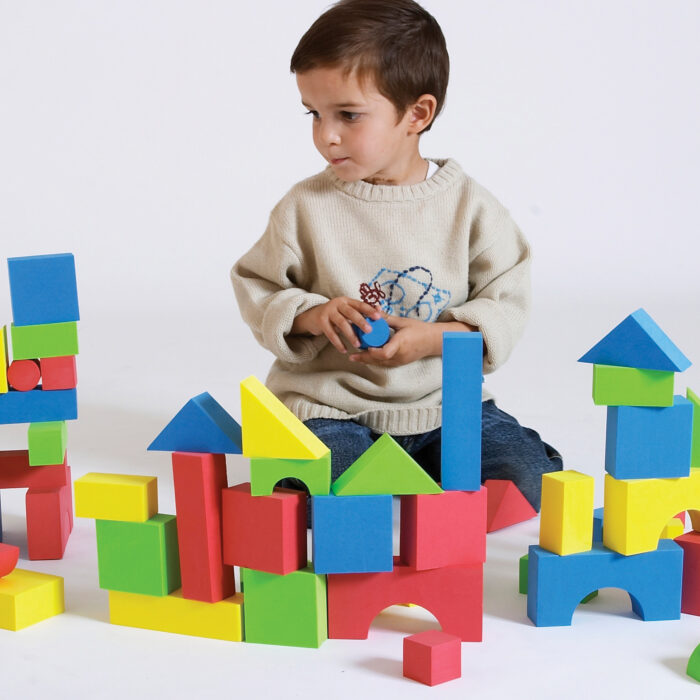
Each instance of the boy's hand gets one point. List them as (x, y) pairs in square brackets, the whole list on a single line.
[(335, 318)]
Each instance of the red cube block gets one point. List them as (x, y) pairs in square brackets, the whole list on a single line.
[(443, 529), (690, 597), (432, 657), (266, 533), (58, 373)]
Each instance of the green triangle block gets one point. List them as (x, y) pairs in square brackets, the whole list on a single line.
[(693, 669), (384, 468)]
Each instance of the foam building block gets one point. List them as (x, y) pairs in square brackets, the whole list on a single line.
[(3, 360), (16, 473), (286, 610), (566, 520), (49, 521), (629, 386), (125, 497), (649, 443), (505, 505), (462, 378), (598, 524), (384, 468), (43, 289), (267, 533), (201, 425), (443, 529), (432, 657), (376, 337), (352, 534), (58, 373), (199, 480), (695, 447), (47, 443), (637, 510), (178, 615), (23, 375), (693, 668), (9, 556), (690, 601), (28, 597), (315, 473), (557, 584), (271, 430), (674, 528), (638, 342), (453, 594), (37, 406), (47, 340), (522, 579)]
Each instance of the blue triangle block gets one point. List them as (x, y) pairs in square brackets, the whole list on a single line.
[(201, 425), (638, 342)]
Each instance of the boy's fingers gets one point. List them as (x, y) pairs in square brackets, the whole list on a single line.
[(335, 341)]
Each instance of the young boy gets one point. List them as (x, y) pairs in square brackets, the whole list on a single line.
[(383, 226)]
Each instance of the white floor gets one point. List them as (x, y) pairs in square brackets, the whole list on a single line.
[(136, 372)]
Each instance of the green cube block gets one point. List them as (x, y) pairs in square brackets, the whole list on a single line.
[(695, 448), (44, 340), (629, 386), (47, 443), (139, 557), (288, 610), (315, 473)]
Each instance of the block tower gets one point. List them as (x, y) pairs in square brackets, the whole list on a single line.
[(38, 386), (650, 478)]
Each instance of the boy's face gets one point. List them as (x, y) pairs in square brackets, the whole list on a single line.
[(358, 131)]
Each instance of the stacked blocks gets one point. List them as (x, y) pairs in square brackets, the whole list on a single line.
[(649, 480), (432, 657), (37, 386)]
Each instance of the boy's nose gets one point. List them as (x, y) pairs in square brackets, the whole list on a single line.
[(329, 135)]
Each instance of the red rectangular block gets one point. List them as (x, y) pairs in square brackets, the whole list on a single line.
[(690, 596), (49, 521), (453, 594), (266, 533), (443, 529), (432, 657), (15, 472), (58, 373), (199, 480)]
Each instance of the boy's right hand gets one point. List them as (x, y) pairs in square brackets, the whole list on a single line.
[(335, 318)]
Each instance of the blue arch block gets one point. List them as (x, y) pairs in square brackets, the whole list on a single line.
[(557, 584)]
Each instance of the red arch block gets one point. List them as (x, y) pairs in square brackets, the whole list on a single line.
[(9, 556)]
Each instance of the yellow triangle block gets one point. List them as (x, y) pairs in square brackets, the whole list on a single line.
[(270, 429)]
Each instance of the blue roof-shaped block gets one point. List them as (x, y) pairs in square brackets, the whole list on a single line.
[(638, 342), (201, 425)]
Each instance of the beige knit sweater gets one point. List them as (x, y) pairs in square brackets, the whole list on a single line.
[(444, 249)]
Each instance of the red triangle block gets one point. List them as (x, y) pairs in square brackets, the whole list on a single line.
[(9, 556), (505, 505)]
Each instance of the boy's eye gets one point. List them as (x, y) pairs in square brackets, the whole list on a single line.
[(350, 116), (313, 112)]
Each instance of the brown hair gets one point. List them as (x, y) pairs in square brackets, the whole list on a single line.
[(396, 42)]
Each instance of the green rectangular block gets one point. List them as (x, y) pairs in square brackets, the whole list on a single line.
[(139, 557), (45, 340), (629, 386), (522, 574), (47, 443), (288, 610), (695, 445), (314, 473)]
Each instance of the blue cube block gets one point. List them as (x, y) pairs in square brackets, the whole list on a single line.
[(352, 534), (37, 406), (598, 524), (649, 443), (43, 289)]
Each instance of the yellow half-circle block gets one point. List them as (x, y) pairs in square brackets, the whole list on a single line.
[(27, 597), (270, 429), (126, 497), (637, 510)]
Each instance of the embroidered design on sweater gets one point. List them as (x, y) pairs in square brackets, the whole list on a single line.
[(371, 295), (410, 293)]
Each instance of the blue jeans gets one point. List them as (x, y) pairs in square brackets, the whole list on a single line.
[(508, 450)]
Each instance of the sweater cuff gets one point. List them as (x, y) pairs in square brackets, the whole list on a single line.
[(277, 324)]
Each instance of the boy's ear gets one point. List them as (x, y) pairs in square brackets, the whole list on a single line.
[(422, 112)]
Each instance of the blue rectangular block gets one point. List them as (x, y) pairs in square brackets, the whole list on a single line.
[(462, 377), (43, 289), (37, 406), (352, 534), (557, 584), (598, 524), (649, 443)]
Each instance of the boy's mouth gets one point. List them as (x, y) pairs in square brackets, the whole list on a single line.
[(337, 161)]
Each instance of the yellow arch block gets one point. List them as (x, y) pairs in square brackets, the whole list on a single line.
[(125, 497), (566, 522), (637, 510), (270, 429)]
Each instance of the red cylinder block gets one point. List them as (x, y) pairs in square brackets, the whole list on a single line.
[(24, 375)]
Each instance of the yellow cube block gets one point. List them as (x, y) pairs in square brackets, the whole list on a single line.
[(566, 521), (674, 528), (124, 497), (27, 597), (173, 613)]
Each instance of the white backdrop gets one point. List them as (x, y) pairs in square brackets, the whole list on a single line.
[(151, 138)]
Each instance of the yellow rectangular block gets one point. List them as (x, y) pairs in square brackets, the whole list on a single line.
[(124, 497), (637, 510), (3, 360), (566, 520), (173, 613), (27, 597)]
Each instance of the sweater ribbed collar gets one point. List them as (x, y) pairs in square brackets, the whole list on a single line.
[(447, 174)]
